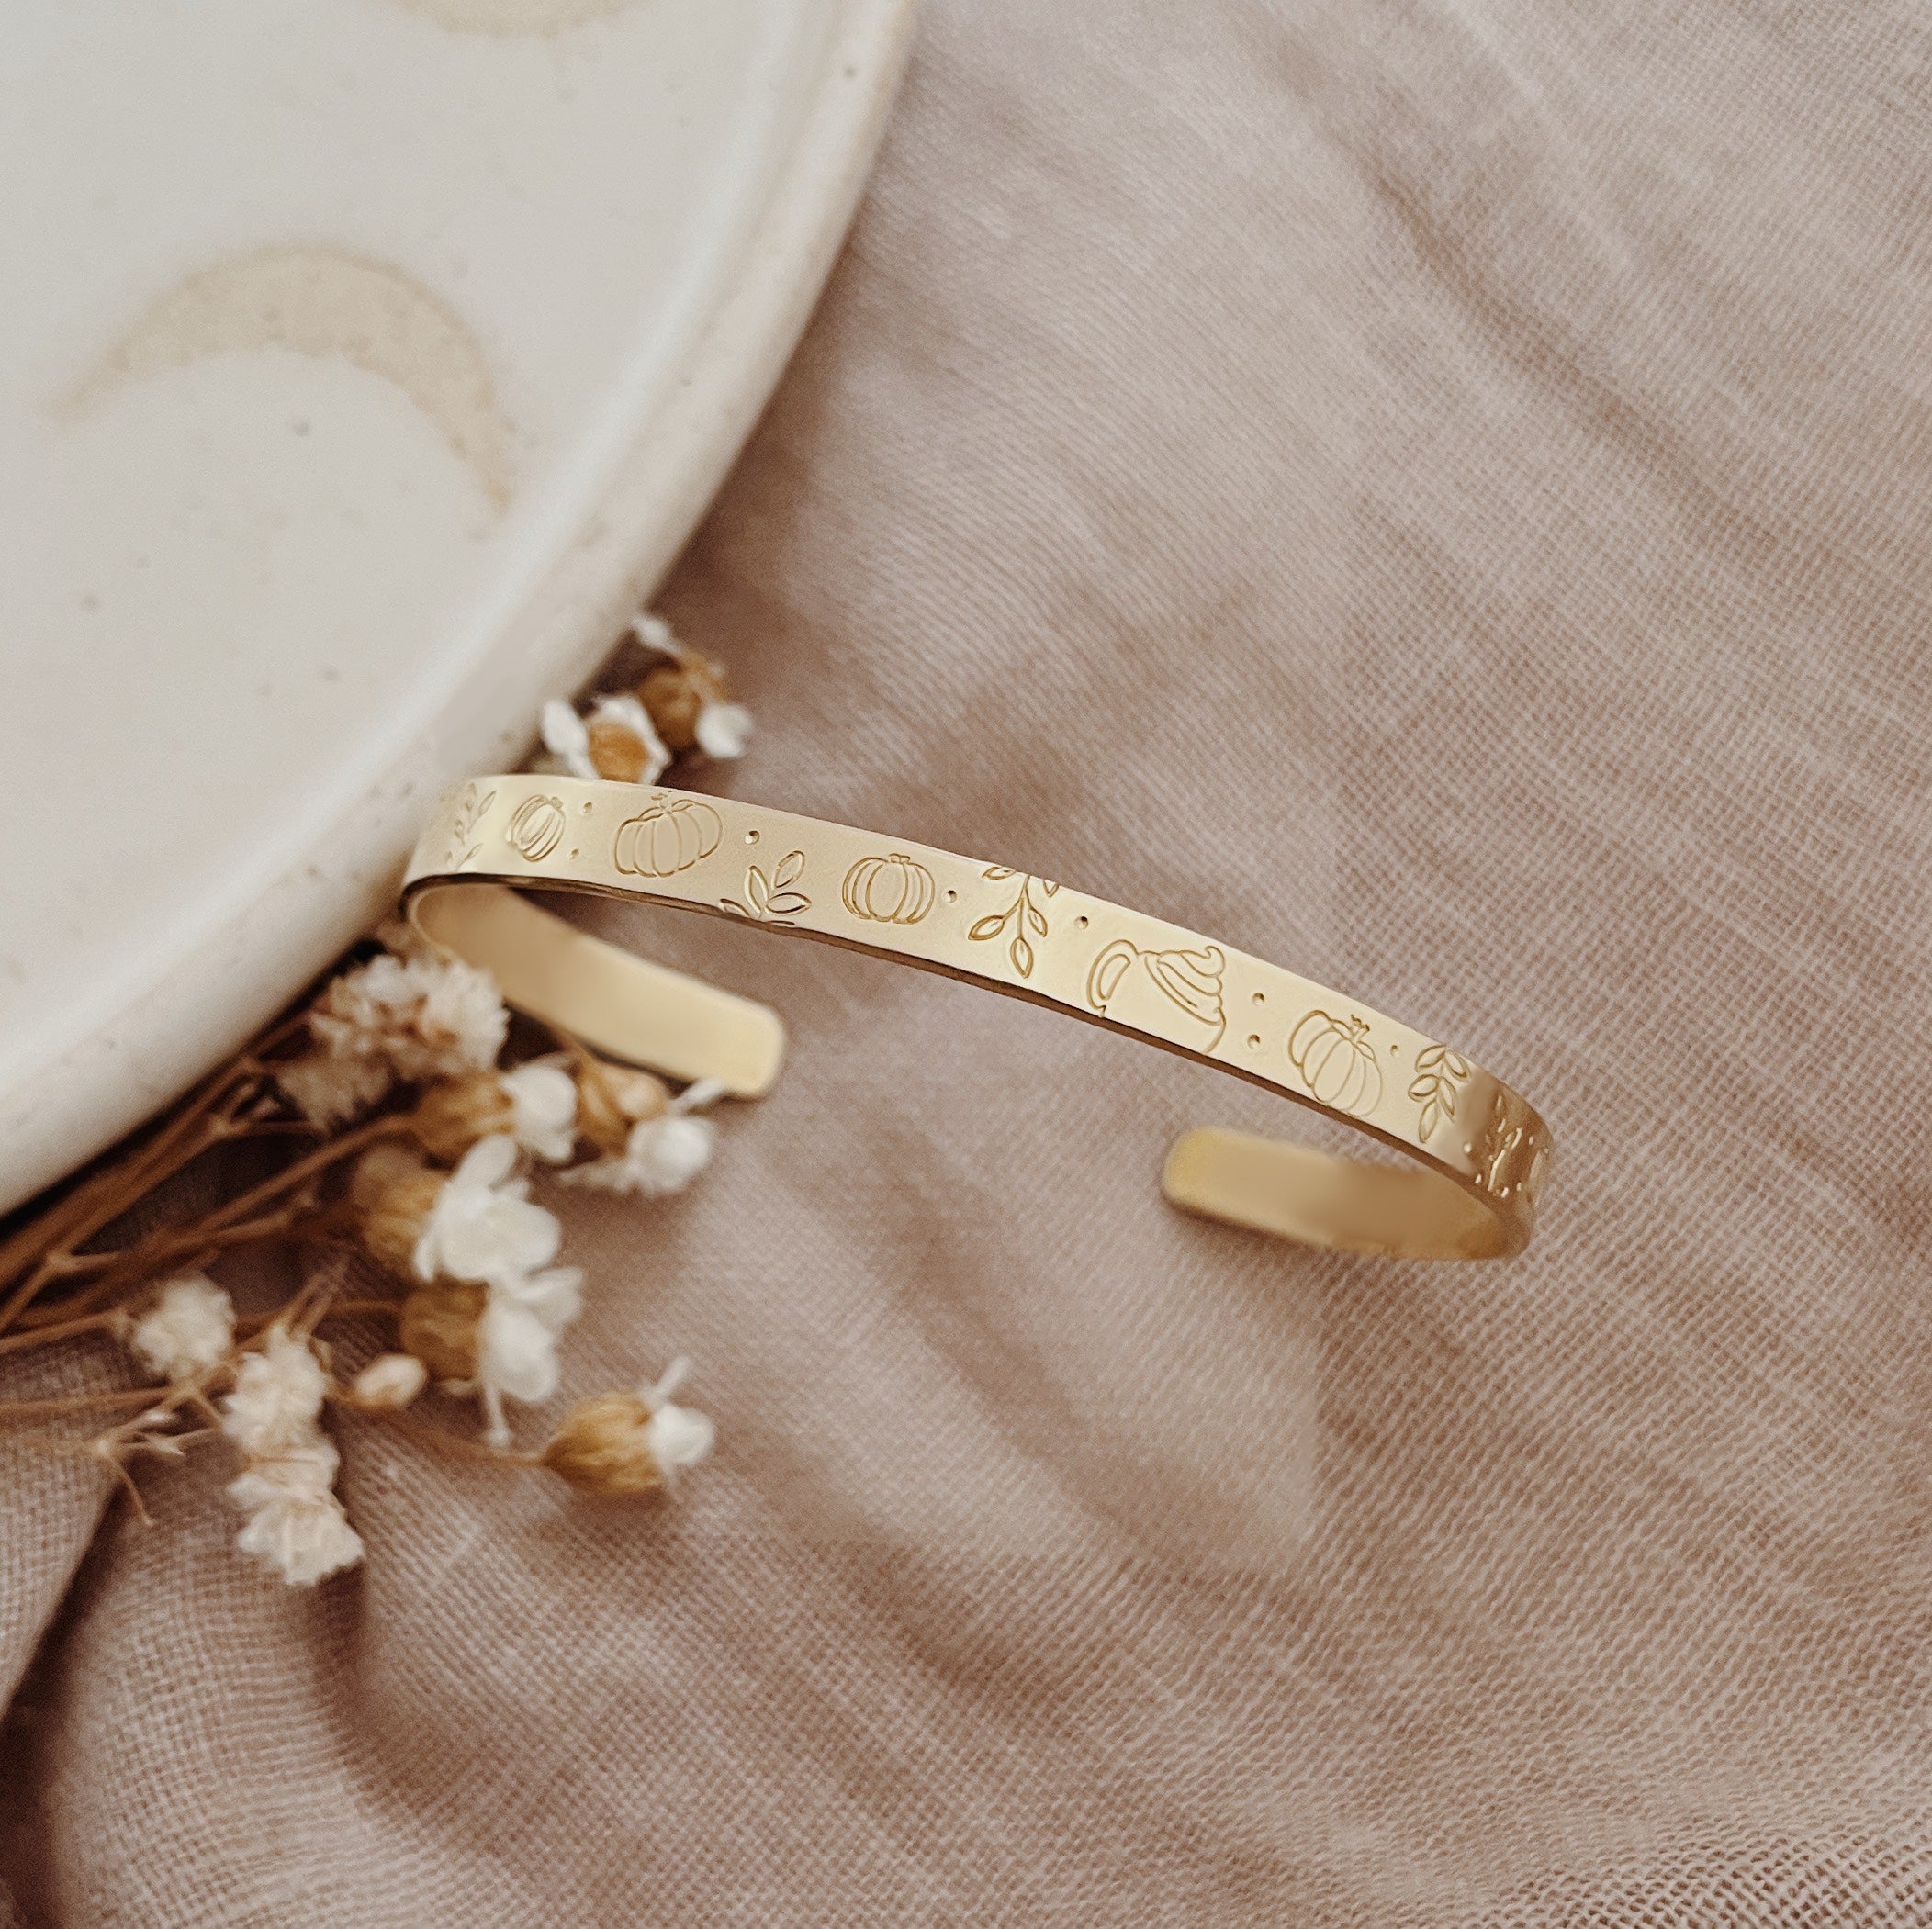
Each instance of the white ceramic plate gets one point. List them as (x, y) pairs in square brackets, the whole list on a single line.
[(364, 363)]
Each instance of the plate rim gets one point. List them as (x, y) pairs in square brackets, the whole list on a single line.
[(203, 1008)]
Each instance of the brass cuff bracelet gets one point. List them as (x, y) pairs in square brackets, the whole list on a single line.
[(1480, 1152)]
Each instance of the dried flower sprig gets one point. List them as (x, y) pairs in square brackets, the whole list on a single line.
[(683, 704), (422, 1142)]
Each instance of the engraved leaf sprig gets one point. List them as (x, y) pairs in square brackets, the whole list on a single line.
[(1026, 917), (772, 900), (463, 840), (1441, 1075)]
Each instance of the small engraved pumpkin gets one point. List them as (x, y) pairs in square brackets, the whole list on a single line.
[(1336, 1061), (670, 836), (894, 890), (537, 827)]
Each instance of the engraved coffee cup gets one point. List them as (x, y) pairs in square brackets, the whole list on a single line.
[(1174, 995)]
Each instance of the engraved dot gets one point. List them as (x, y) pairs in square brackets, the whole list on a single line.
[(1261, 997), (1080, 922), (952, 897), (1254, 1040), (575, 852), (751, 837), (585, 807)]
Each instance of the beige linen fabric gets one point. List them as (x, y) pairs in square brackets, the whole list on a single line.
[(1436, 495)]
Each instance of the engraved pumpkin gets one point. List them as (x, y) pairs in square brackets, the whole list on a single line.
[(1336, 1061), (670, 836), (894, 890), (537, 827)]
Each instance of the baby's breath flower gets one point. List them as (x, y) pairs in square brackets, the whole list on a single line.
[(688, 698), (624, 1444), (616, 742), (517, 1336), (542, 1107), (662, 1154), (611, 1099), (278, 1394), (390, 1380), (536, 1105), (483, 1225), (295, 1526), (329, 1090), (188, 1329), (413, 1017)]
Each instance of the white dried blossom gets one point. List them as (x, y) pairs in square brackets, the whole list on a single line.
[(677, 1436), (617, 741), (688, 697), (329, 1091), (517, 1335), (723, 730), (460, 1025), (390, 1380), (278, 1394), (624, 1445), (483, 1225), (661, 1155), (187, 1330), (542, 1107), (419, 1017), (295, 1526)]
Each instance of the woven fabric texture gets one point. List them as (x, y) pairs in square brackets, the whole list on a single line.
[(1437, 495)]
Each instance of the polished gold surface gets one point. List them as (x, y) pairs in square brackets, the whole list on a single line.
[(1480, 1152)]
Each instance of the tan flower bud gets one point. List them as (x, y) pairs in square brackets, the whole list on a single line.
[(391, 1195), (675, 692), (603, 1447), (438, 1326), (611, 1099), (618, 753), (453, 1116)]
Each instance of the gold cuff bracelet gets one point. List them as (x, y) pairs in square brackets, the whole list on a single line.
[(1480, 1151)]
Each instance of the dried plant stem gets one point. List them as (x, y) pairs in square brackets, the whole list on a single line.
[(227, 1224), (197, 1242), (459, 1444), (75, 1219), (63, 1330), (95, 1201), (44, 1247), (281, 1184), (136, 1397)]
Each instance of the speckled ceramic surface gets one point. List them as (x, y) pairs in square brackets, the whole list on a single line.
[(363, 364)]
